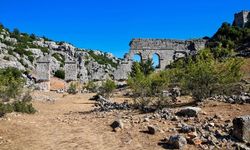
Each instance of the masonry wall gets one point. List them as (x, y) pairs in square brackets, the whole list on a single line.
[(43, 69), (70, 71), (167, 50), (241, 18)]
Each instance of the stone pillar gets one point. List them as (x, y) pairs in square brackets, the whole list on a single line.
[(83, 72), (241, 128), (43, 73), (70, 70)]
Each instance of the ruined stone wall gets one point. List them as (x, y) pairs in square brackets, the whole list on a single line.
[(43, 69), (241, 18), (70, 70), (43, 73), (167, 50)]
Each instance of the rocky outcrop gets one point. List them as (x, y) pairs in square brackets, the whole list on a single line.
[(88, 68)]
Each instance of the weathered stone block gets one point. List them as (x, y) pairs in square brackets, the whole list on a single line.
[(43, 69), (241, 128), (70, 71)]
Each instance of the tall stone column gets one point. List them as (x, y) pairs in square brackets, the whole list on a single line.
[(43, 73), (70, 70)]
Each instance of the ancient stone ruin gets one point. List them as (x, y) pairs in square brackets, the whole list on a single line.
[(70, 70), (241, 18), (43, 73), (167, 51)]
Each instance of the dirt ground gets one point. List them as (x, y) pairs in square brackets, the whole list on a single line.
[(64, 122)]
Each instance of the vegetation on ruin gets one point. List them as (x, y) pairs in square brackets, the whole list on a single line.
[(230, 37), (60, 74), (102, 59), (60, 58), (201, 76)]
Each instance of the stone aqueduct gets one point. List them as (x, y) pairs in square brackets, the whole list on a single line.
[(167, 51)]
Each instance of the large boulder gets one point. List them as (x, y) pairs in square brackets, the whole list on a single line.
[(189, 111), (117, 125), (241, 128), (152, 129), (177, 141)]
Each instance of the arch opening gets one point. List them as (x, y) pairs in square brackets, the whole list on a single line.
[(156, 61), (137, 58)]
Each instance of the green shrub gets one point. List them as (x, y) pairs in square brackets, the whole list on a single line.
[(102, 59), (31, 58), (201, 76), (72, 88), (230, 37), (11, 83), (1, 27), (10, 52), (60, 74), (144, 67), (27, 97), (44, 49), (6, 108), (17, 106), (6, 58), (91, 86), (11, 87), (59, 57), (107, 88), (141, 88), (23, 107)]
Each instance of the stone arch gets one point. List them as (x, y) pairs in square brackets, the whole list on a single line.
[(137, 54), (156, 58)]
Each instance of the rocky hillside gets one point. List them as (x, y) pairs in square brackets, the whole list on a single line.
[(21, 50)]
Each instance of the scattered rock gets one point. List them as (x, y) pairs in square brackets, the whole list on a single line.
[(117, 125), (189, 111), (240, 146), (164, 113), (104, 104), (177, 141), (187, 129), (152, 129)]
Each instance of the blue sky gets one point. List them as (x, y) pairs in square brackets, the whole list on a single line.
[(109, 25)]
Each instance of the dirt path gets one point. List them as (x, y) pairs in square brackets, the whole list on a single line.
[(53, 127), (63, 124)]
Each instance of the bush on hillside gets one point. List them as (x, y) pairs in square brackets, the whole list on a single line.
[(201, 76), (72, 88), (11, 83), (60, 74), (107, 88), (59, 58), (11, 88), (102, 59), (91, 87), (230, 37)]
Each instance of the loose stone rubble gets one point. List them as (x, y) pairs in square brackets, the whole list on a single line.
[(106, 105), (189, 111)]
